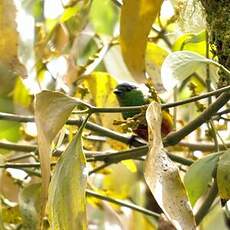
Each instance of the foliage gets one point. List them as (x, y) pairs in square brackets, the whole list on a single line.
[(68, 159)]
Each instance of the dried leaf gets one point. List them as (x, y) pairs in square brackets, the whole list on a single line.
[(67, 201), (72, 72), (52, 109), (137, 17), (223, 175), (9, 38), (59, 38), (162, 176)]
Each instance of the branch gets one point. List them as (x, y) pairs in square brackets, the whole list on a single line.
[(175, 137), (105, 156), (89, 125), (122, 203), (203, 147), (196, 98)]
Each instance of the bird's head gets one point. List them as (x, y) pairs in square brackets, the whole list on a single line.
[(129, 95)]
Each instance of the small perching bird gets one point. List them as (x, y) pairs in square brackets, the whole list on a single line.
[(130, 95)]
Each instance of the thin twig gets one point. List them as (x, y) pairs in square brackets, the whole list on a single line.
[(175, 137), (104, 165), (122, 203)]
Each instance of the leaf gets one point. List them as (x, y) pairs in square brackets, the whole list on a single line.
[(181, 64), (137, 17), (162, 176), (155, 55), (101, 94), (10, 130), (215, 219), (103, 16), (21, 94), (59, 38), (191, 42), (76, 16), (9, 38), (223, 175), (119, 182), (199, 175), (30, 205), (67, 201), (116, 66), (52, 109)]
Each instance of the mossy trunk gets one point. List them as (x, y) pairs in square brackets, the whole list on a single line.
[(218, 21)]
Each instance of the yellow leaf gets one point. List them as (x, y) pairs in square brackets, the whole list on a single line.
[(21, 94), (9, 38), (162, 176), (67, 201), (101, 94), (155, 56), (130, 164), (52, 109), (119, 183), (137, 17)]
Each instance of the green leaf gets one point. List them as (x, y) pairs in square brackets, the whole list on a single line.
[(223, 175), (30, 205), (191, 42), (52, 109), (136, 20), (9, 130), (163, 178), (215, 219), (182, 64), (67, 201), (199, 175), (103, 16)]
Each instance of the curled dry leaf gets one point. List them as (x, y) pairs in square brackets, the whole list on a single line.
[(52, 109), (162, 176)]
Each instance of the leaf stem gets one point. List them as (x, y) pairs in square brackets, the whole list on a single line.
[(122, 203)]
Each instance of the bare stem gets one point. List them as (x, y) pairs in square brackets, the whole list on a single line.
[(122, 203), (175, 137)]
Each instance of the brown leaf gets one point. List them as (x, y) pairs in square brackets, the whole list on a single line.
[(162, 176), (52, 109)]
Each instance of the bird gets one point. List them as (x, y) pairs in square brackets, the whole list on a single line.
[(129, 94)]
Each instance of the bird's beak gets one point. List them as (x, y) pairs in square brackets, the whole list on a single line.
[(118, 92)]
